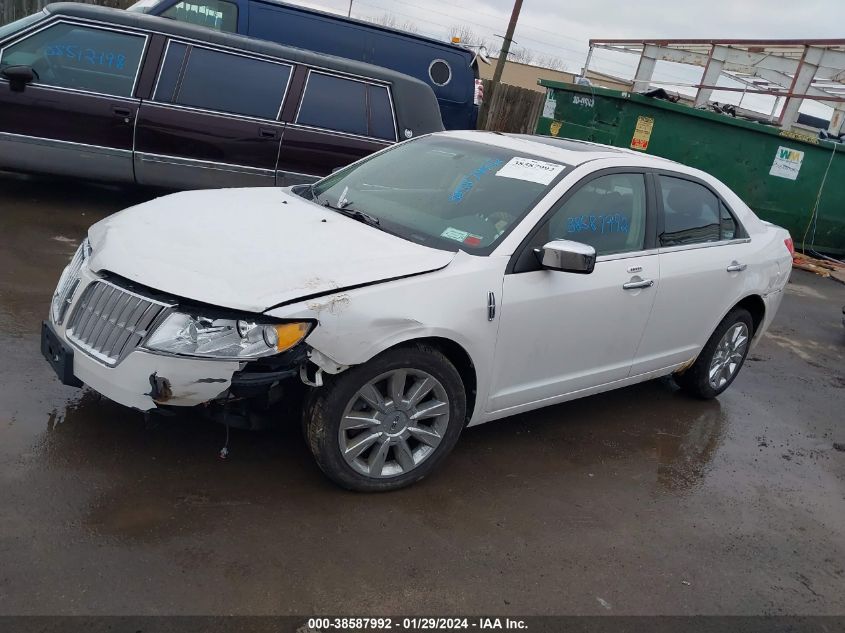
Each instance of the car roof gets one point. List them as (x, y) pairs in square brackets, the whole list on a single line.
[(208, 35), (457, 48), (565, 150)]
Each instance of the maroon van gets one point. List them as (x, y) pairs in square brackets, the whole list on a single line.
[(111, 95)]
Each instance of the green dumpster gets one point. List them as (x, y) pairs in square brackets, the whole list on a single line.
[(784, 176)]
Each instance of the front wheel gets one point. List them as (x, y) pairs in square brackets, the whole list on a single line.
[(388, 423), (722, 357)]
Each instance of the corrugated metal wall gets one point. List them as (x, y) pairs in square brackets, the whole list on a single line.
[(13, 9)]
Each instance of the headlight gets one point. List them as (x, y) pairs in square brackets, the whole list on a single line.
[(68, 283), (182, 333)]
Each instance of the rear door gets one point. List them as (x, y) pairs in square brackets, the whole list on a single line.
[(212, 120), (339, 119), (76, 118), (704, 256)]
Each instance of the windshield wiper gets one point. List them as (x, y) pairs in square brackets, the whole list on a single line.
[(355, 214)]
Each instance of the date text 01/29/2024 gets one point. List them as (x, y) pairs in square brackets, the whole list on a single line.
[(416, 623)]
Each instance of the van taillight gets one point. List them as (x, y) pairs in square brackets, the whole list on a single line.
[(478, 97), (790, 245)]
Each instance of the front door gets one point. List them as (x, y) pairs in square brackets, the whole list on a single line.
[(77, 116), (213, 120), (562, 333)]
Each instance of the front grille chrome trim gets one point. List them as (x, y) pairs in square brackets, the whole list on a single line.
[(68, 284), (109, 321)]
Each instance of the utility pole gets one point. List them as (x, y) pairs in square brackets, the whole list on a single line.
[(500, 64), (349, 13)]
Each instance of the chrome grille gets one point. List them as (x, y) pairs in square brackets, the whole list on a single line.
[(108, 322), (67, 284)]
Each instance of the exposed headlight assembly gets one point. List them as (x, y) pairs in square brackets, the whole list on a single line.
[(68, 282), (233, 339)]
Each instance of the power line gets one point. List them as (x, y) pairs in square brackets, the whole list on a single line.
[(556, 49)]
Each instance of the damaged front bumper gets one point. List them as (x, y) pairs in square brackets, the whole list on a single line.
[(145, 380), (142, 380)]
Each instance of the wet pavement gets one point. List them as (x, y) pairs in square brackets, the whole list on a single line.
[(639, 501)]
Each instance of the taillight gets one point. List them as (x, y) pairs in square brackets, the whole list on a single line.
[(790, 245), (478, 96)]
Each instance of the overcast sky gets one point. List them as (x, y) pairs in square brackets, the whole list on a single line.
[(562, 28)]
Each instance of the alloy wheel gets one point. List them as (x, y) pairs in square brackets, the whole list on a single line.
[(728, 355), (394, 423)]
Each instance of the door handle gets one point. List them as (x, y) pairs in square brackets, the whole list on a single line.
[(266, 132), (121, 112), (736, 267), (634, 285)]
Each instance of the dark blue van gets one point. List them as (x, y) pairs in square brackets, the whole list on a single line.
[(450, 70)]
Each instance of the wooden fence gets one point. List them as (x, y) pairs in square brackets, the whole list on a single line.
[(11, 10), (513, 109)]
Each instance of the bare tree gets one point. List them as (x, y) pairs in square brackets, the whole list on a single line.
[(521, 55), (550, 61), (470, 38), (389, 20)]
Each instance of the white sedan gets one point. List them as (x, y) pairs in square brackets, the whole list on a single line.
[(447, 281)]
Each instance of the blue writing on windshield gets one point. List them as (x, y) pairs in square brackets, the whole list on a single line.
[(468, 182)]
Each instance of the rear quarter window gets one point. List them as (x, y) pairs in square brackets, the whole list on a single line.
[(381, 113), (347, 105)]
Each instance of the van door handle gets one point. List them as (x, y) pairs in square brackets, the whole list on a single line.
[(266, 132), (121, 112), (634, 285), (736, 267)]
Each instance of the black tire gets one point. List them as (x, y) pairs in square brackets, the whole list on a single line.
[(325, 406), (695, 380)]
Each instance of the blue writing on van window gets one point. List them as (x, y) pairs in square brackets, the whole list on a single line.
[(468, 182), (604, 224), (88, 56)]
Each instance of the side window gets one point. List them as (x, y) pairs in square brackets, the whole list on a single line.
[(334, 103), (221, 81), (729, 230), (691, 213), (608, 213), (216, 14), (381, 113), (80, 57)]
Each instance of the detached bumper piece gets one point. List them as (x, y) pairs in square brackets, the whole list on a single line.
[(263, 374)]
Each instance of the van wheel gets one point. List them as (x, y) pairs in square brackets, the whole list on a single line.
[(387, 423), (722, 357)]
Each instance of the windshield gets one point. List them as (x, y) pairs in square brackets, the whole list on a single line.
[(144, 6), (21, 24), (443, 192)]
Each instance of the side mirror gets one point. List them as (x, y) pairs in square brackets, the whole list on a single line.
[(18, 76), (567, 256)]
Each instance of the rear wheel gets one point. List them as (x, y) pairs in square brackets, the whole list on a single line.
[(722, 357), (388, 423)]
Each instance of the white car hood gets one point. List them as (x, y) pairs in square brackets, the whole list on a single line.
[(250, 249)]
